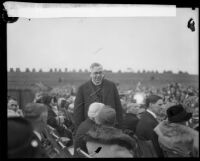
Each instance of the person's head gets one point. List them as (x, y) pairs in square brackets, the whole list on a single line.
[(109, 142), (96, 73), (62, 102), (12, 104), (94, 109), (106, 116), (133, 108), (22, 142), (154, 103), (36, 113), (177, 114)]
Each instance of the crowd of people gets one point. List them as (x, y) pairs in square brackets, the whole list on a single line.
[(99, 122)]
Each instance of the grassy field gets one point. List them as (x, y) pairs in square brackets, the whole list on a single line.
[(23, 80)]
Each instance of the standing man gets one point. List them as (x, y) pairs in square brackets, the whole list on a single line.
[(148, 121), (98, 89)]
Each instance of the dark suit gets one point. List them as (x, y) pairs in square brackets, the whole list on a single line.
[(88, 93), (145, 130), (130, 122)]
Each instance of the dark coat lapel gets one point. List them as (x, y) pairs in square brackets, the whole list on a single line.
[(106, 90), (150, 116)]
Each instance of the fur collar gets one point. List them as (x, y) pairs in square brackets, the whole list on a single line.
[(177, 136)]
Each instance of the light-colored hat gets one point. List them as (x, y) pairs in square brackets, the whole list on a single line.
[(94, 109), (106, 116)]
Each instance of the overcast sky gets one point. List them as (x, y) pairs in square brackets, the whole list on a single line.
[(140, 43)]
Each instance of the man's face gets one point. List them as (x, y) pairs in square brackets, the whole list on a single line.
[(12, 105), (156, 107), (97, 75)]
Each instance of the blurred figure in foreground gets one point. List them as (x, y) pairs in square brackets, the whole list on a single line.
[(109, 142), (22, 142), (84, 127), (175, 138)]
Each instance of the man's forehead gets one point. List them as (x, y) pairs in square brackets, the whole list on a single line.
[(97, 69)]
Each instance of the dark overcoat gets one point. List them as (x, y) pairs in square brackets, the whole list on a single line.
[(130, 121), (145, 131), (87, 94)]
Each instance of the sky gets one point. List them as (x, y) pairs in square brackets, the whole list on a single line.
[(137, 43)]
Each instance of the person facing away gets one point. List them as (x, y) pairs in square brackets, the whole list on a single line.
[(97, 89), (177, 139), (22, 141), (84, 127), (36, 114), (104, 141), (148, 121)]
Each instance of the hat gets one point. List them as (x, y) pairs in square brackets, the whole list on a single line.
[(106, 116), (177, 113), (94, 108), (22, 142), (34, 110)]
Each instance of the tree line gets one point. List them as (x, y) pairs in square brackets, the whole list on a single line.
[(59, 70)]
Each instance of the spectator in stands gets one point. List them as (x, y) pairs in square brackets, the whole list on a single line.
[(53, 119), (130, 118), (13, 107), (22, 141), (93, 111), (109, 142), (175, 138), (148, 121), (97, 89), (63, 107)]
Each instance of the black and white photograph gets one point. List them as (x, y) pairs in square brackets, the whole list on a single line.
[(102, 80)]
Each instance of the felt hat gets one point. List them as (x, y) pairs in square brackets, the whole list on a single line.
[(94, 109), (177, 113), (106, 116)]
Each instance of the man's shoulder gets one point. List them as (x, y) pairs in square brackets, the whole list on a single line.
[(145, 117), (108, 82), (85, 84)]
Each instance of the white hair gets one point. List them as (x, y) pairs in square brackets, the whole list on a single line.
[(95, 65), (94, 109)]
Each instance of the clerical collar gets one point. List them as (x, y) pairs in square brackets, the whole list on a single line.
[(152, 113), (97, 85)]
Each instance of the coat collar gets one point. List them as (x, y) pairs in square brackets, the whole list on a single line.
[(150, 116)]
